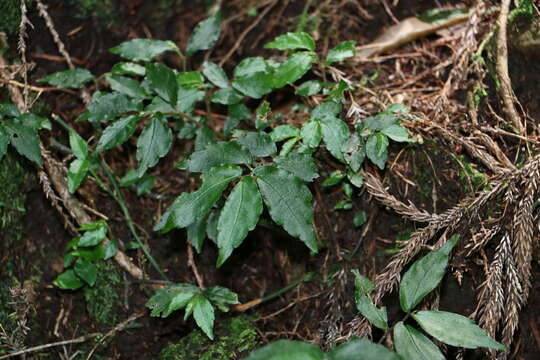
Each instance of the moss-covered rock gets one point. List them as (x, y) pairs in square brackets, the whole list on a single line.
[(102, 300), (234, 339)]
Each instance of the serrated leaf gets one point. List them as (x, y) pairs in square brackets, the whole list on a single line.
[(311, 133), (376, 316), (218, 154), (117, 133), (289, 203), (153, 143), (411, 344), (254, 85), (73, 78), (454, 329), (341, 51), (301, 165), (68, 280), (143, 49), (203, 313), (259, 144), (163, 81), (126, 86), (221, 297), (188, 98), (377, 149), (190, 207), (215, 74), (107, 106), (287, 350), (239, 216), (78, 145), (86, 270), (361, 349), (292, 41), (282, 132), (196, 233), (226, 96), (397, 133), (76, 174), (309, 88), (424, 275), (205, 34), (335, 134), (24, 139), (293, 69), (172, 298)]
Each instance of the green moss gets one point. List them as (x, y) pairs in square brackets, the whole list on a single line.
[(103, 10), (234, 338), (102, 300), (10, 17)]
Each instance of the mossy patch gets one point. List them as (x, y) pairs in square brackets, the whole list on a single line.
[(10, 17), (102, 300), (234, 339)]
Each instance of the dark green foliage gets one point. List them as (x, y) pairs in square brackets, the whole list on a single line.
[(102, 300)]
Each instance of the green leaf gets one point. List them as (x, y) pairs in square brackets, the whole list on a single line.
[(341, 51), (361, 349), (126, 86), (35, 122), (309, 88), (380, 121), (221, 297), (153, 143), (282, 132), (360, 218), (145, 184), (196, 233), (143, 49), (239, 111), (7, 109), (212, 224), (376, 316), (190, 79), (190, 207), (76, 174), (362, 284), (218, 154), (105, 107), (454, 329), (397, 133), (188, 98), (288, 146), (215, 74), (24, 139), (68, 280), (4, 141), (203, 312), (73, 78), (287, 350), (239, 216), (226, 96), (78, 145), (424, 276), (334, 178), (300, 165), (117, 133), (94, 236), (86, 270), (254, 85), (289, 203), (250, 66), (128, 68), (311, 133), (259, 144), (172, 298), (163, 81), (205, 34), (377, 149), (293, 69), (335, 134), (292, 41), (411, 344), (328, 109)]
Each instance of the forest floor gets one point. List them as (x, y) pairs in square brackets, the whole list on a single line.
[(435, 174)]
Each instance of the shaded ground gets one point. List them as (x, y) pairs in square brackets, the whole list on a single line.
[(435, 176)]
